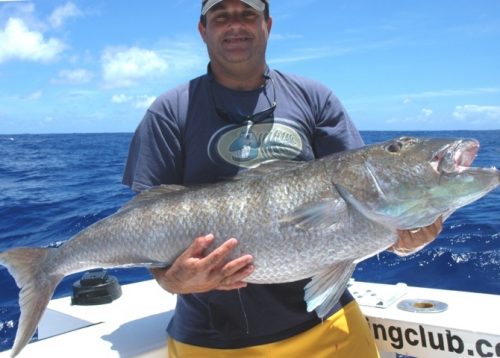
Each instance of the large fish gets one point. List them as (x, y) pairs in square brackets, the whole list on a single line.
[(298, 220)]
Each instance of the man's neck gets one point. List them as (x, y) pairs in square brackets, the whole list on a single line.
[(241, 79)]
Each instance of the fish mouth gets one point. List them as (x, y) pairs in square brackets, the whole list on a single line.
[(455, 157)]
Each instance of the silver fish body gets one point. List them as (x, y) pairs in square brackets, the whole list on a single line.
[(298, 220)]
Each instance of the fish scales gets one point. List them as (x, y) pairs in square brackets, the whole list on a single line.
[(158, 232)]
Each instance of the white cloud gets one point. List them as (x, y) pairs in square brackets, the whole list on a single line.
[(121, 98), (409, 98), (34, 96), (301, 54), (450, 93), (139, 102), (475, 112), (18, 42), (124, 67), (416, 119), (62, 13), (31, 96), (285, 37), (143, 102), (76, 76), (183, 56), (307, 54), (426, 112)]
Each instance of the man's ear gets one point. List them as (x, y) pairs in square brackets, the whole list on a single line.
[(202, 30), (269, 24)]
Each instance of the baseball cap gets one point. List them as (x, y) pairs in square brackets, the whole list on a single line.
[(258, 5)]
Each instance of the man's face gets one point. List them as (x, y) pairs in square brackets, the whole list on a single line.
[(235, 33)]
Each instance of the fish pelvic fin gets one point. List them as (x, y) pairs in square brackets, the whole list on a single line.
[(324, 290), (37, 287)]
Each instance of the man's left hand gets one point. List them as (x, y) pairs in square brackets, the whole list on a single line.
[(411, 241)]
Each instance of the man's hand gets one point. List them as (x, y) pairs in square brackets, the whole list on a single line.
[(193, 272), (411, 241)]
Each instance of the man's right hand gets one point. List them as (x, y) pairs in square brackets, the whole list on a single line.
[(193, 272)]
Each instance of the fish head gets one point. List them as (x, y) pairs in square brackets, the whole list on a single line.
[(409, 182)]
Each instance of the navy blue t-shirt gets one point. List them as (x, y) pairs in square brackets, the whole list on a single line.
[(198, 133)]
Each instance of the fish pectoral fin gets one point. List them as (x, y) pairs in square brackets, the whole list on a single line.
[(370, 213), (325, 288), (151, 194), (319, 215)]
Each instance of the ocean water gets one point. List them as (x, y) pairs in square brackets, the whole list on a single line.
[(53, 186)]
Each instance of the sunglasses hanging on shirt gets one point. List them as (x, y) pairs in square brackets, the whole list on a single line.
[(240, 118)]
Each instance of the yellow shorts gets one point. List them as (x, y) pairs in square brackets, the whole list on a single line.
[(345, 334)]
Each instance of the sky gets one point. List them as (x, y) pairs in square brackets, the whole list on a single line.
[(92, 66)]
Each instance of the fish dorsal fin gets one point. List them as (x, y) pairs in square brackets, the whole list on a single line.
[(324, 290), (268, 167), (151, 194), (321, 215)]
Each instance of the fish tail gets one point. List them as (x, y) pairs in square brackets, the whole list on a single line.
[(37, 286)]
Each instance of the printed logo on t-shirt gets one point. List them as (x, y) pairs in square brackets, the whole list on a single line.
[(249, 144)]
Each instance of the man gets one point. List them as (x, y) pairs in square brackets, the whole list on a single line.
[(239, 114)]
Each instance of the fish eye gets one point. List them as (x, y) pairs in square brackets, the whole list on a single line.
[(394, 147)]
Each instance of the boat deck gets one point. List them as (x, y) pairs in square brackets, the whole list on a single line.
[(134, 325)]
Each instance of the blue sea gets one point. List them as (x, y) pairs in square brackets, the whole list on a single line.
[(53, 186)]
